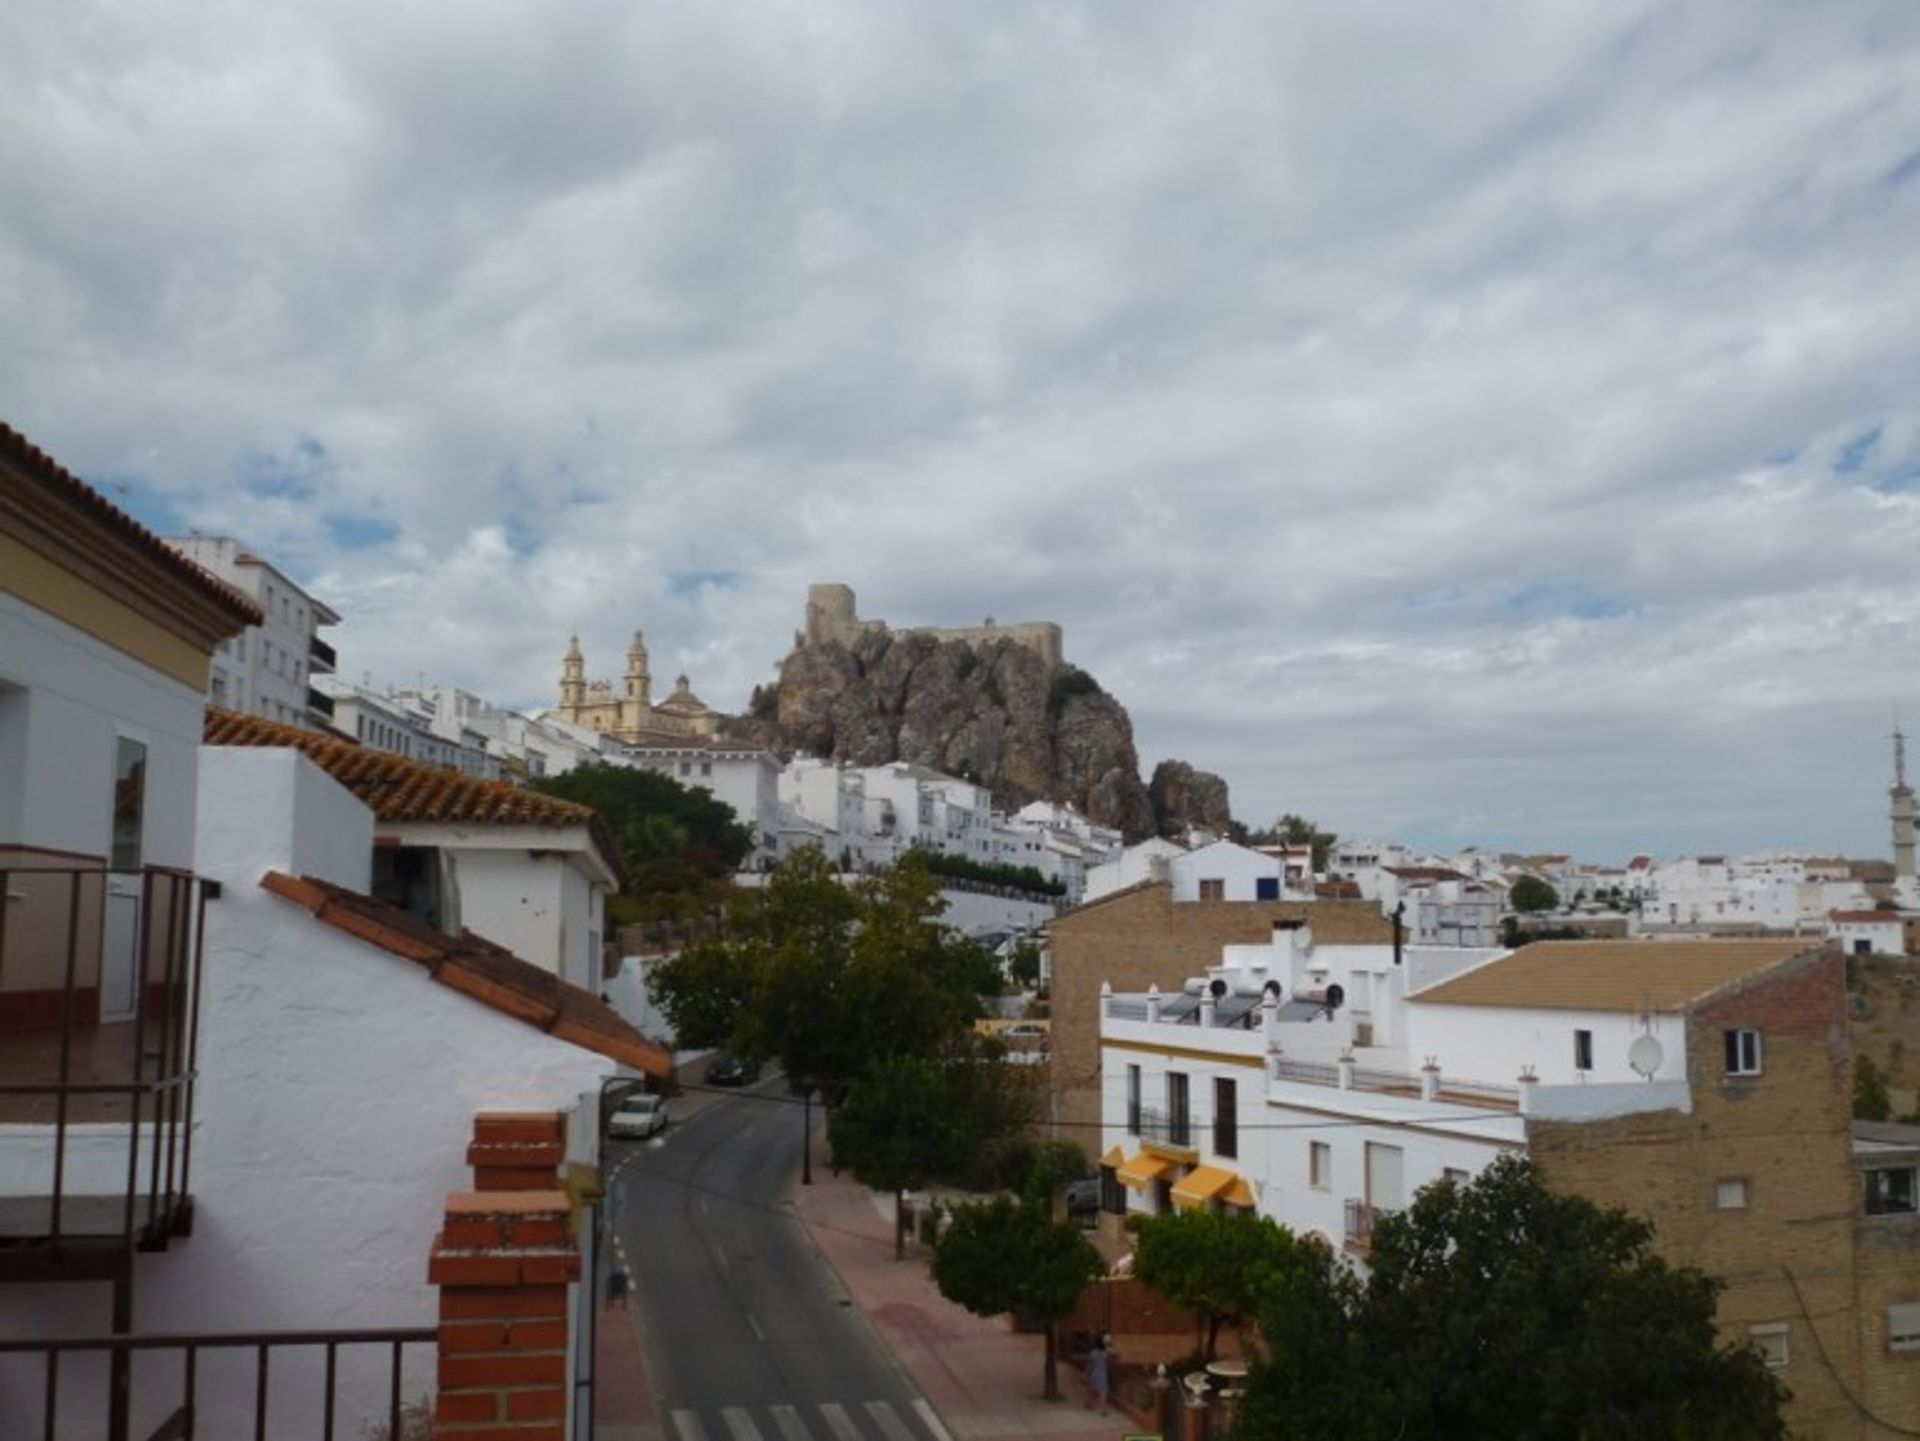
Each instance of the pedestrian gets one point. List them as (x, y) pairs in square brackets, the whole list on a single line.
[(617, 1287), (1099, 1374)]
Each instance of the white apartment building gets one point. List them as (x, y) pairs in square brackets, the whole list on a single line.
[(1364, 862), (1867, 933), (1225, 871), (268, 670)]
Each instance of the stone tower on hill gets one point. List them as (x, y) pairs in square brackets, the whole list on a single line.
[(831, 617)]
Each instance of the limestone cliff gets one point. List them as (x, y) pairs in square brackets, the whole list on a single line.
[(1184, 797), (993, 711)]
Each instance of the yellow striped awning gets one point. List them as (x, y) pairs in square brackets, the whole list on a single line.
[(1116, 1158), (1201, 1185), (1239, 1193), (1143, 1170)]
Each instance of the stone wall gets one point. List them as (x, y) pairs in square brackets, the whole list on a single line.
[(832, 616), (1139, 937)]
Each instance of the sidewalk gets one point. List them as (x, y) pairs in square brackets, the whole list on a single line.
[(982, 1377)]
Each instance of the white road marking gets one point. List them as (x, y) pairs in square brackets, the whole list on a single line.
[(889, 1422), (839, 1422), (740, 1424), (754, 1326), (720, 1255), (687, 1423), (792, 1428), (930, 1419), (705, 1209)]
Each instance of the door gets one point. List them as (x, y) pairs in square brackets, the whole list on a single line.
[(120, 947)]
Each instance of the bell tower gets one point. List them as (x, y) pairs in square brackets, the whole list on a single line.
[(573, 682), (636, 703), (1902, 809)]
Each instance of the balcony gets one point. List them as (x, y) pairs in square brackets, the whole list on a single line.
[(99, 997), (1170, 1130), (321, 659), (319, 705), (1360, 1219)]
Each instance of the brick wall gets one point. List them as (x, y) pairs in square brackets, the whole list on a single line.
[(1124, 1306), (1788, 1255), (503, 1261), (1140, 937)]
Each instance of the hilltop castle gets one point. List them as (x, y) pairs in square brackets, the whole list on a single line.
[(632, 716), (831, 617)]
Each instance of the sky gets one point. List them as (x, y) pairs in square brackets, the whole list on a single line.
[(1487, 423)]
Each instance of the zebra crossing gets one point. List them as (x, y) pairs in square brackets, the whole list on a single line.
[(821, 1421)]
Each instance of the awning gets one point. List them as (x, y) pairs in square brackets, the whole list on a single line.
[(1116, 1158), (1239, 1193), (1201, 1185), (1143, 1170)]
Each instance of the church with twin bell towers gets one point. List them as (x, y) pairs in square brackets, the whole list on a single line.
[(630, 714)]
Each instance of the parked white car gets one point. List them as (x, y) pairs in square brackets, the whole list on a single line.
[(639, 1117)]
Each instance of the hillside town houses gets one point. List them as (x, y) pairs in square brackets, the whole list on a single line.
[(315, 961)]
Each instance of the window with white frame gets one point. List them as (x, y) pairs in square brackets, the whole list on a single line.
[(1730, 1194), (1770, 1341), (1903, 1326), (1743, 1051)]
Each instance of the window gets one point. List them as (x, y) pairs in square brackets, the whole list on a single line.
[(1583, 1050), (1213, 890), (1743, 1052), (1266, 888), (1730, 1194), (1903, 1326), (1178, 1132), (1891, 1191), (129, 803), (1770, 1341), (706, 768), (1319, 1165), (1454, 1176), (1133, 1100), (1226, 1118)]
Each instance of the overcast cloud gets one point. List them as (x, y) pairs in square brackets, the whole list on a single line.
[(1485, 423)]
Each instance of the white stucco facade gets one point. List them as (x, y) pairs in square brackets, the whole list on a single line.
[(1225, 871)]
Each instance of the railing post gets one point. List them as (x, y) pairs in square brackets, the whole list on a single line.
[(1153, 1003), (1345, 1069)]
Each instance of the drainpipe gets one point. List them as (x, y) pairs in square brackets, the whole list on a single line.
[(1399, 931)]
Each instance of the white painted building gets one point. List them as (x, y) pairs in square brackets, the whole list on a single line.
[(1145, 861), (1253, 1083), (1226, 871), (1867, 933), (268, 670)]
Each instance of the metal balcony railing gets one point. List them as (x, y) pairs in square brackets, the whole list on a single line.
[(1168, 1128), (320, 656), (319, 703), (1360, 1221), (248, 1380), (99, 1007)]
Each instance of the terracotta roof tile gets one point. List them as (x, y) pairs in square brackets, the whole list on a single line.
[(1611, 975), (1864, 917), (489, 973), (31, 459), (397, 789)]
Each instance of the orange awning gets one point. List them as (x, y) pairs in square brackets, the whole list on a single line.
[(1239, 1193), (1201, 1185), (1116, 1158), (1143, 1170)]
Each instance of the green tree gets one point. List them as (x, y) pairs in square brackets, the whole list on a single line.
[(1222, 1267), (911, 1119), (1871, 1099), (1006, 1255), (1023, 965), (1501, 1308), (1531, 894), (826, 978), (1290, 830)]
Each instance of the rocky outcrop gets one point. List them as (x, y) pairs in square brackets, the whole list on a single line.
[(992, 711), (1183, 798)]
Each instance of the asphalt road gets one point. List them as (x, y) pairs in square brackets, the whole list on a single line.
[(748, 1334)]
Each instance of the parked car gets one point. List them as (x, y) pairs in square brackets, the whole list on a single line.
[(732, 1071), (1083, 1202), (639, 1117)]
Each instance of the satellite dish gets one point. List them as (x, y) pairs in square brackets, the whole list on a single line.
[(1335, 995), (1272, 988), (1218, 988), (1645, 1055)]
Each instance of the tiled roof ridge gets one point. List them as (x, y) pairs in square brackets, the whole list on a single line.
[(32, 458), (479, 968), (350, 762)]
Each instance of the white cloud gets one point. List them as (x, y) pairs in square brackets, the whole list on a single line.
[(1414, 414)]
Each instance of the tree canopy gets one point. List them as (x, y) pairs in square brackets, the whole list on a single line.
[(678, 845), (1221, 1266), (1500, 1308), (1010, 1255), (1294, 830), (827, 978), (1530, 894)]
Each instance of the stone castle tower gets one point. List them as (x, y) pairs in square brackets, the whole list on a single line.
[(831, 616), (631, 715)]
